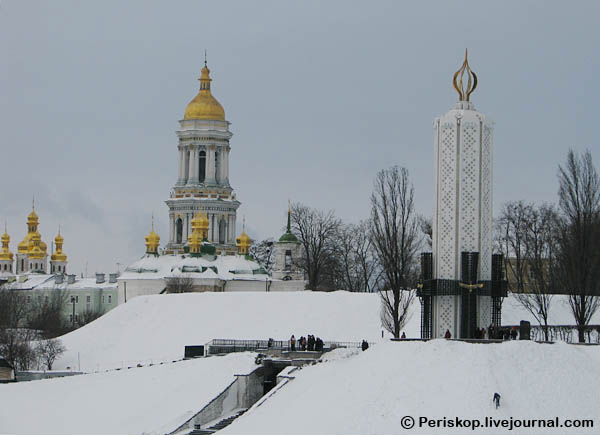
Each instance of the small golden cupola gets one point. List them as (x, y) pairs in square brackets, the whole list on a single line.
[(5, 254), (59, 255), (244, 241), (35, 251), (32, 244), (152, 241), (196, 237), (204, 105)]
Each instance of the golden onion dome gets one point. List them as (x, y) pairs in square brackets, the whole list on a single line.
[(152, 240), (204, 105), (59, 255), (243, 242), (23, 247), (5, 253), (32, 219)]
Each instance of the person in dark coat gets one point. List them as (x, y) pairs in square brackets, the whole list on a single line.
[(365, 345), (311, 342), (447, 335), (303, 343), (496, 400), (513, 333), (293, 343), (403, 336), (319, 345)]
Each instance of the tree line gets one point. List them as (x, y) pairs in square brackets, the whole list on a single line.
[(548, 249), (28, 328), (377, 254), (555, 248)]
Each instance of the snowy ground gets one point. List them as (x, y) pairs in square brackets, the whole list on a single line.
[(139, 400), (156, 328), (370, 392)]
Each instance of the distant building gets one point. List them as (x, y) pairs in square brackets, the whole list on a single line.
[(32, 253), (81, 295)]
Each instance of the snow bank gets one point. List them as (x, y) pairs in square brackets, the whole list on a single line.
[(156, 328), (371, 392), (141, 400)]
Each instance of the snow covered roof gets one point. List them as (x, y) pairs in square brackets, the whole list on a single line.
[(224, 267), (48, 282)]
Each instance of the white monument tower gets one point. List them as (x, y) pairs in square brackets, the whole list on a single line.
[(203, 180), (457, 293)]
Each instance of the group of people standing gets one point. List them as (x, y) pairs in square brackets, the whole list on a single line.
[(309, 343), (491, 333)]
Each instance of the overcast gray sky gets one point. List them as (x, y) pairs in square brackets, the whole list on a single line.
[(321, 95)]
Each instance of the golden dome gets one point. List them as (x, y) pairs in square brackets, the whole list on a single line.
[(23, 247), (59, 255), (5, 253), (33, 238), (152, 242), (35, 251), (243, 242), (32, 216), (200, 222), (204, 105)]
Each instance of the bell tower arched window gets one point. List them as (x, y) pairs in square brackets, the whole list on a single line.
[(222, 230), (178, 230), (202, 167)]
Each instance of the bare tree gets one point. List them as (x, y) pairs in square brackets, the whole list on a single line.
[(46, 314), (579, 237), (394, 234), (179, 284), (14, 337), (426, 227), (510, 234), (49, 350), (531, 232), (358, 268), (317, 232), (263, 252), (89, 316)]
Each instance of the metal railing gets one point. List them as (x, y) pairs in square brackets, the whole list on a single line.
[(222, 345)]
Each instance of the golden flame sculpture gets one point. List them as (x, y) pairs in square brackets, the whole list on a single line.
[(465, 93)]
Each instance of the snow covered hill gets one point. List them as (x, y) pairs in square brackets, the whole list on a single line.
[(154, 399), (156, 328), (371, 392)]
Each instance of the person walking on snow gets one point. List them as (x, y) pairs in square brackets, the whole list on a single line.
[(365, 345), (293, 343)]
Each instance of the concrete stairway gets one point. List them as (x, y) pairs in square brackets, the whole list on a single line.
[(219, 425)]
